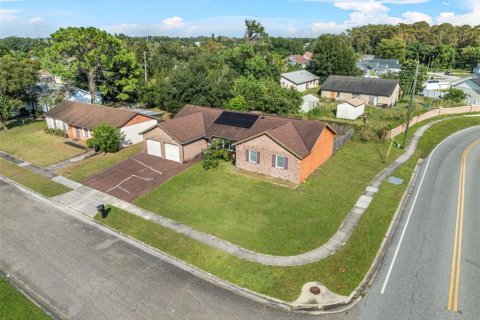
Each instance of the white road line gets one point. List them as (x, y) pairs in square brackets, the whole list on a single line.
[(143, 164), (133, 175), (411, 210)]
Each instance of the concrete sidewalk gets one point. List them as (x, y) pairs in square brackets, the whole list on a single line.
[(85, 199)]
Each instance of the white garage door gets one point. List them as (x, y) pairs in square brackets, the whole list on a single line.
[(154, 148), (172, 152)]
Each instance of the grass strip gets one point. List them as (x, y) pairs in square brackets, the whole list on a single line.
[(31, 180)]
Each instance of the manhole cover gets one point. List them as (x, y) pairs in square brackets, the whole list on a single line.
[(315, 290)]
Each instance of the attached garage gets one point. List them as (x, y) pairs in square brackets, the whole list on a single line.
[(172, 152), (154, 148)]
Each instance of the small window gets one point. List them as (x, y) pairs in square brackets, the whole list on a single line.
[(280, 162), (338, 94), (253, 156), (86, 133)]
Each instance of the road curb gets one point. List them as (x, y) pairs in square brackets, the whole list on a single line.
[(28, 292)]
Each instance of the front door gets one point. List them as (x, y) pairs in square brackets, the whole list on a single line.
[(332, 94), (77, 133)]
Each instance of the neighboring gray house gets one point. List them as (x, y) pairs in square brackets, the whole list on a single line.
[(83, 96), (471, 86), (300, 80), (373, 67), (371, 90), (476, 70)]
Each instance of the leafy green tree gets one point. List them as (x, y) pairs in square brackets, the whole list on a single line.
[(100, 58), (407, 76), (333, 55), (470, 56), (214, 153), (236, 103), (444, 56), (254, 31), (391, 49), (17, 76), (455, 95), (266, 95), (6, 108), (107, 138)]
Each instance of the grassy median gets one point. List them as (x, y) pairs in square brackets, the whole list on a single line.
[(342, 272), (15, 306), (31, 180)]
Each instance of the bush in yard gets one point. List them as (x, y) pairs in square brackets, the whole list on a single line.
[(455, 95), (56, 132), (107, 138), (214, 153)]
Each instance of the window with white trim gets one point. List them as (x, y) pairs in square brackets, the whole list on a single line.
[(252, 156), (280, 162), (86, 133)]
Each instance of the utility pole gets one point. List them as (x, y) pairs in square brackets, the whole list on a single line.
[(145, 65), (409, 113)]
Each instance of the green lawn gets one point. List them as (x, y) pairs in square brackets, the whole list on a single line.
[(265, 217), (341, 272), (99, 162), (30, 143), (15, 306), (31, 180)]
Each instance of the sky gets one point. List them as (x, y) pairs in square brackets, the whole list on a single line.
[(290, 18)]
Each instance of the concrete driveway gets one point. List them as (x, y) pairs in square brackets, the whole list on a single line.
[(135, 176)]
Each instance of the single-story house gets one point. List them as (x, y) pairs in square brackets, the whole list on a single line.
[(284, 148), (79, 119), (351, 109), (372, 90), (373, 67), (300, 59), (300, 80), (309, 102), (80, 95)]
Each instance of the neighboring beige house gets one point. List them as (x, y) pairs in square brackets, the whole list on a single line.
[(300, 80), (383, 92), (79, 119), (351, 109), (284, 148), (309, 102)]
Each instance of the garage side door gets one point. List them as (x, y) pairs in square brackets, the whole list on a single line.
[(154, 148), (172, 152)]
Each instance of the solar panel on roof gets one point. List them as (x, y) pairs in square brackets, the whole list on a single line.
[(241, 120)]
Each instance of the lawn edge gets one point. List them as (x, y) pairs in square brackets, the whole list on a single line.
[(31, 295)]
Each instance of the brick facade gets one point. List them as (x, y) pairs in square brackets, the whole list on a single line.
[(268, 148), (188, 151)]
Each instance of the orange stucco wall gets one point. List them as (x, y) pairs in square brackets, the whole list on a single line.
[(137, 119), (322, 150)]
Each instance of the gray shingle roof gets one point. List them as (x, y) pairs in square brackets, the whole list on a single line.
[(380, 64), (359, 85), (299, 77)]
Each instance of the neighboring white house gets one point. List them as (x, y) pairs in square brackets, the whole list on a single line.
[(300, 80), (79, 120), (433, 84), (351, 109), (374, 67), (83, 96), (309, 102)]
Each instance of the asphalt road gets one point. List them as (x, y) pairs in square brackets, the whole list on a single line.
[(418, 286), (87, 273)]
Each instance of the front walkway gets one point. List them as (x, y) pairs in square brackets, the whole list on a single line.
[(85, 199)]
